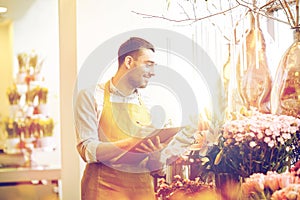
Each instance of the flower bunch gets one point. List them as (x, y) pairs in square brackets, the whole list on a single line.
[(11, 127), (13, 95), (42, 93), (29, 62), (187, 187), (22, 60), (29, 127), (290, 192), (271, 186), (259, 143), (30, 96), (45, 126)]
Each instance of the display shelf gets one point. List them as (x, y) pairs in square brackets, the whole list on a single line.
[(30, 183), (28, 174)]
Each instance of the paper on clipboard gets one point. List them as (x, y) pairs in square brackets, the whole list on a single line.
[(133, 156)]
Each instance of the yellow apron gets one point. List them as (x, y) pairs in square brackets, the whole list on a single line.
[(101, 182)]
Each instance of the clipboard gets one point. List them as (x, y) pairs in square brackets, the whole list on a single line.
[(133, 157)]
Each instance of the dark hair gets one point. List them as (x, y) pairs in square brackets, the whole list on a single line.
[(131, 47)]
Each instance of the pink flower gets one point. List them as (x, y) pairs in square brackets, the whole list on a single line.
[(291, 192), (285, 179), (238, 137), (267, 140), (286, 136), (260, 135), (281, 140), (268, 132), (271, 181)]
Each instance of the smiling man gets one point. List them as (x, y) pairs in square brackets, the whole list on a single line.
[(109, 120)]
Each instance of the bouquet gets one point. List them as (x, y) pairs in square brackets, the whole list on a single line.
[(272, 186), (45, 126), (184, 188), (13, 95), (42, 93), (30, 96), (11, 127), (258, 143)]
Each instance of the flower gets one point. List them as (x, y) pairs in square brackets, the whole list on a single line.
[(42, 93), (184, 188), (13, 95), (259, 143), (289, 193), (29, 127), (271, 186)]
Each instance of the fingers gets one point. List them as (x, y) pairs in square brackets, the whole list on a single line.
[(157, 141), (150, 146)]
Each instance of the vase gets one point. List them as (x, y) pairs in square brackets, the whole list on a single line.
[(285, 96), (228, 186), (253, 76), (181, 169), (13, 110), (20, 79), (30, 110), (46, 143), (43, 109), (226, 73)]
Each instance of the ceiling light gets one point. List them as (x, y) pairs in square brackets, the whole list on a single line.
[(3, 9)]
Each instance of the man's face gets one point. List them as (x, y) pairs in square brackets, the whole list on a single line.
[(143, 69)]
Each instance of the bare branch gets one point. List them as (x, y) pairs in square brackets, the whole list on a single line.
[(264, 10), (286, 13), (186, 19), (269, 3), (162, 17), (218, 13), (297, 13), (289, 11), (264, 14), (186, 14), (194, 10)]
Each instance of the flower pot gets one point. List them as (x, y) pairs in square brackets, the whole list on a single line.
[(12, 146), (13, 110), (46, 143), (20, 79), (30, 110)]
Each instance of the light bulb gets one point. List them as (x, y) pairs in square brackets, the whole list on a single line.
[(3, 9)]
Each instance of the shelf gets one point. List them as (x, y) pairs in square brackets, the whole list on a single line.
[(21, 174)]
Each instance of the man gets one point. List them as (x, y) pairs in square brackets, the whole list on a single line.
[(109, 120)]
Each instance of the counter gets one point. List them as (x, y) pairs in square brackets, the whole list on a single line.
[(40, 181), (30, 183), (22, 174)]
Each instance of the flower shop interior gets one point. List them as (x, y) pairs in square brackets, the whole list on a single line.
[(238, 59)]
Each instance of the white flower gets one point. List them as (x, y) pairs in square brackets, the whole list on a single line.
[(252, 144), (286, 136), (267, 140), (281, 140)]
